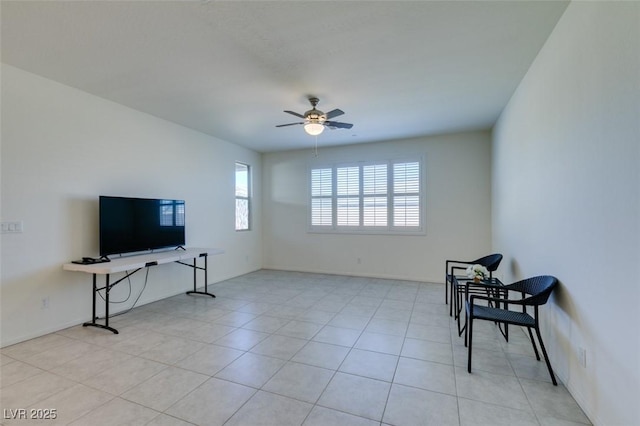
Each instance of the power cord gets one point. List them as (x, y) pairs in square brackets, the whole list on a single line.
[(146, 279), (128, 295)]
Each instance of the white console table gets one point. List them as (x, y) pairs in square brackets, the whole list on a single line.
[(132, 264)]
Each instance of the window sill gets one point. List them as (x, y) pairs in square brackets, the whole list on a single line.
[(368, 231)]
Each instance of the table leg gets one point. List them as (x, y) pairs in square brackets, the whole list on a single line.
[(195, 268), (93, 322)]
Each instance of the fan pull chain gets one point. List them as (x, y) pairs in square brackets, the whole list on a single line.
[(315, 154)]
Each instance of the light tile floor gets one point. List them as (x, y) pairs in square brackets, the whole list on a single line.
[(285, 348)]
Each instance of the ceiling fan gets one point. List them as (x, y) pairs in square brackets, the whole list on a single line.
[(315, 120)]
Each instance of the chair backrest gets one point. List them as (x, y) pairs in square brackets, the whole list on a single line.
[(491, 262), (538, 288)]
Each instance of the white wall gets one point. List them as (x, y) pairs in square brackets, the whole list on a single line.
[(566, 192), (458, 194), (61, 149)]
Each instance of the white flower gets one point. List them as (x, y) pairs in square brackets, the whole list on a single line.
[(477, 271)]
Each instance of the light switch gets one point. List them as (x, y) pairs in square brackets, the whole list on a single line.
[(13, 227)]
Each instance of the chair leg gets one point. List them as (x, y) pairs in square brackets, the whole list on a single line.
[(466, 324), (453, 289), (506, 306), (452, 299), (456, 301), (460, 302), (468, 331), (446, 288), (546, 358), (533, 343)]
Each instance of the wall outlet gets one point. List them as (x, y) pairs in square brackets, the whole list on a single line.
[(358, 261), (582, 357), (45, 303)]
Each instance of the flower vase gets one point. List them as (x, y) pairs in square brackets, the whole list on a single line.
[(476, 279)]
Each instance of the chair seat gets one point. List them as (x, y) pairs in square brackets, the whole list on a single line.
[(502, 315)]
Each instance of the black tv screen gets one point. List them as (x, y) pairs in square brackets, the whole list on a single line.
[(140, 224)]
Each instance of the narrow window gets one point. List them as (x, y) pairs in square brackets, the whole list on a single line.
[(243, 200)]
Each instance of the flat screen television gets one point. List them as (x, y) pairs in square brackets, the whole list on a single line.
[(130, 225)]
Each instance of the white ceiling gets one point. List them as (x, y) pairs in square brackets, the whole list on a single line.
[(397, 69)]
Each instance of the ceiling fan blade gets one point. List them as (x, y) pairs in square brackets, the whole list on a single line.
[(290, 124), (338, 125), (334, 113), (295, 113)]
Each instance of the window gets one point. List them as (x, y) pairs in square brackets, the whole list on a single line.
[(243, 200), (376, 197)]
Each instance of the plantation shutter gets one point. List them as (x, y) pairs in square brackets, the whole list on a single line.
[(321, 197), (374, 195), (406, 194), (384, 196), (348, 196)]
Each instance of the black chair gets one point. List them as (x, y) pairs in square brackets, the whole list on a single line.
[(533, 291), (491, 262)]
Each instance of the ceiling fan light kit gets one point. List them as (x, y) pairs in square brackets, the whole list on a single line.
[(313, 128), (315, 120)]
